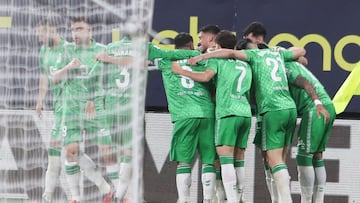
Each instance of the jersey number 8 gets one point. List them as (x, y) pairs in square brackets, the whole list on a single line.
[(185, 81)]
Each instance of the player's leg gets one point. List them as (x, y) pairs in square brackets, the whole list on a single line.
[(54, 159), (269, 179), (91, 170), (243, 130), (276, 136), (71, 132), (304, 159), (319, 148), (219, 187), (105, 142), (123, 139), (72, 168), (225, 139), (207, 155), (183, 148)]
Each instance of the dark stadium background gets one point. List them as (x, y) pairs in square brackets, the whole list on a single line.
[(331, 19)]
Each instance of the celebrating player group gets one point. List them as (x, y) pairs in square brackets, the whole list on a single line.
[(211, 89)]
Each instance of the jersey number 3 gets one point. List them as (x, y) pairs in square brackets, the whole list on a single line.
[(125, 82)]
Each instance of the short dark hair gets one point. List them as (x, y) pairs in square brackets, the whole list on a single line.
[(226, 39), (257, 28), (77, 19), (262, 46), (182, 40), (243, 44), (50, 22), (213, 29)]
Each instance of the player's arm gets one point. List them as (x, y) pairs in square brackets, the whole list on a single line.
[(204, 76), (220, 53), (173, 55), (105, 58), (302, 82), (62, 74), (303, 60), (43, 87), (297, 52)]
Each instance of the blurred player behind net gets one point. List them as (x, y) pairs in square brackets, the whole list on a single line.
[(51, 52)]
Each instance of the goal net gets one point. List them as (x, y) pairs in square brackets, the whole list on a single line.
[(72, 97)]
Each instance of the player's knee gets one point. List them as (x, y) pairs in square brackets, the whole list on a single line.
[(225, 150), (72, 152), (318, 155), (128, 153), (105, 150), (240, 153), (274, 157), (55, 144), (108, 154)]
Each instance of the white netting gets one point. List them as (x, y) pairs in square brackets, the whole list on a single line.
[(24, 138)]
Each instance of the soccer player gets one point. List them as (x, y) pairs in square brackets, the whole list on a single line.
[(83, 107), (119, 80), (256, 33), (192, 113), (233, 113), (304, 87), (51, 52), (313, 133), (207, 36), (274, 104), (207, 43)]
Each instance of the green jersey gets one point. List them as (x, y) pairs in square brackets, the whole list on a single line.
[(119, 77), (49, 58), (157, 53), (186, 98), (233, 82), (80, 84), (270, 81), (302, 100)]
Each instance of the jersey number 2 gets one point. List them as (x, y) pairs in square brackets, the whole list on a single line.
[(275, 64)]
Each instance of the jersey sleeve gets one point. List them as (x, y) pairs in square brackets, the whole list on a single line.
[(291, 72), (41, 63), (212, 65), (155, 52), (164, 65), (250, 55), (287, 55), (66, 58)]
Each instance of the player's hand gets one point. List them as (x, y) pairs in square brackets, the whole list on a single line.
[(102, 56), (38, 109), (75, 63), (194, 60), (176, 68), (303, 60), (90, 110), (320, 110)]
